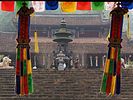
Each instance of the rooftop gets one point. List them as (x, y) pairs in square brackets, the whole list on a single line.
[(71, 20), (87, 45)]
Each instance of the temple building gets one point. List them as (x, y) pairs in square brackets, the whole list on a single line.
[(79, 54), (89, 43)]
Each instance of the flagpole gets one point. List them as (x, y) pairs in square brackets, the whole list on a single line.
[(43, 62)]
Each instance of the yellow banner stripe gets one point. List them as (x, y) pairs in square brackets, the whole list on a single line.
[(24, 53), (68, 7), (113, 85), (112, 52), (29, 67), (107, 64)]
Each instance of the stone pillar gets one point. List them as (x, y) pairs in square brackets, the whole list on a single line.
[(129, 59), (91, 63), (82, 60), (85, 60), (125, 58), (48, 61), (103, 60), (96, 61), (77, 30), (44, 60), (49, 31)]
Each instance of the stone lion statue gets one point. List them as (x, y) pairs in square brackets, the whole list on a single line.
[(5, 63), (128, 65)]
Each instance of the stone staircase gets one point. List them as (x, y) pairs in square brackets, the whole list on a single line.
[(78, 84)]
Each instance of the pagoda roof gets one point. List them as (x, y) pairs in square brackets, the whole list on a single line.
[(87, 45), (71, 20)]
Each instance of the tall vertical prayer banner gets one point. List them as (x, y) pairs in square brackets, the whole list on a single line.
[(7, 6), (112, 70), (24, 84), (68, 7)]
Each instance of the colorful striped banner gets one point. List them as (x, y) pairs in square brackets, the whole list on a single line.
[(7, 6), (111, 77), (19, 4), (127, 4), (83, 5), (51, 5), (24, 82), (97, 5), (39, 6), (68, 7), (109, 5)]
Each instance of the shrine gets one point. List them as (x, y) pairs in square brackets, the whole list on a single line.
[(62, 55)]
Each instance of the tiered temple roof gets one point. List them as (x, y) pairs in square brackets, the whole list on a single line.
[(86, 45), (70, 19)]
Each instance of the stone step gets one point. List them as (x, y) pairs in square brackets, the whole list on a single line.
[(65, 85)]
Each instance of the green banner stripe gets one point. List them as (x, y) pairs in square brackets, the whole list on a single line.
[(119, 54), (30, 83), (111, 66), (25, 68), (104, 82), (18, 53)]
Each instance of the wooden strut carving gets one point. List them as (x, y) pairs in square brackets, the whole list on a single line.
[(24, 84), (112, 70)]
